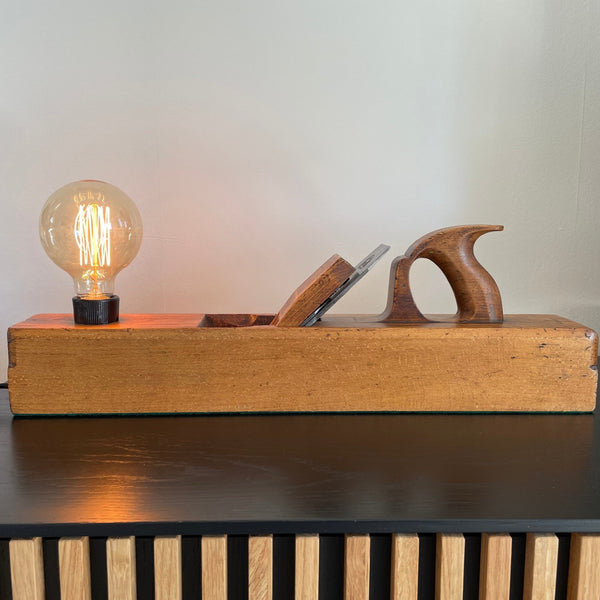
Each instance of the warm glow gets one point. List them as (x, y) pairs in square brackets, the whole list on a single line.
[(92, 230), (92, 233)]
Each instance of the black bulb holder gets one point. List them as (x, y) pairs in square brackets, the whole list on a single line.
[(96, 312)]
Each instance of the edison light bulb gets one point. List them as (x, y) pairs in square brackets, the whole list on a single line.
[(92, 230)]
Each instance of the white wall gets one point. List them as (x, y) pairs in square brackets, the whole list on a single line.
[(258, 138)]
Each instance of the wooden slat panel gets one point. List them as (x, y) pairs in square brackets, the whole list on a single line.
[(357, 567), (541, 561), (120, 568), (584, 567), (494, 579), (214, 567), (260, 567), (307, 567), (405, 566), (449, 566), (167, 567), (27, 569), (74, 566)]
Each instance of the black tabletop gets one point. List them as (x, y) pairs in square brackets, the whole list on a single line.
[(298, 473)]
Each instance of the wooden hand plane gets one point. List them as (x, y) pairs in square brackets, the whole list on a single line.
[(299, 360)]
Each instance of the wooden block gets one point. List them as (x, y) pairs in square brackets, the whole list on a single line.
[(260, 567), (120, 568), (405, 566), (214, 567), (166, 363), (449, 566), (307, 567), (74, 568), (494, 580), (584, 567), (357, 567), (541, 561), (313, 292), (27, 569), (167, 567)]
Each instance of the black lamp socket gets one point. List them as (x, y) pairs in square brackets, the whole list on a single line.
[(96, 312)]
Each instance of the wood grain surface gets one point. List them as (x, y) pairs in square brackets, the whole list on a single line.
[(541, 561), (494, 581), (584, 567), (307, 567), (357, 567), (260, 567), (214, 567), (120, 568), (405, 566), (528, 363), (313, 292), (74, 567), (451, 249), (27, 569), (449, 566), (167, 567)]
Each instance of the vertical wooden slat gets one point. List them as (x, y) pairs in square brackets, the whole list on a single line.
[(584, 567), (541, 562), (260, 567), (357, 567), (405, 566), (494, 578), (120, 568), (27, 569), (214, 567), (307, 567), (167, 567), (449, 566), (74, 568)]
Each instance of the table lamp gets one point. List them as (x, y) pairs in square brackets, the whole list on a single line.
[(92, 230)]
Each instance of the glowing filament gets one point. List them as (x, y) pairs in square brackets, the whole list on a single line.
[(92, 234)]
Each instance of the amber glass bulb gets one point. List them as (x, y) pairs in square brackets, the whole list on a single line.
[(92, 230)]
